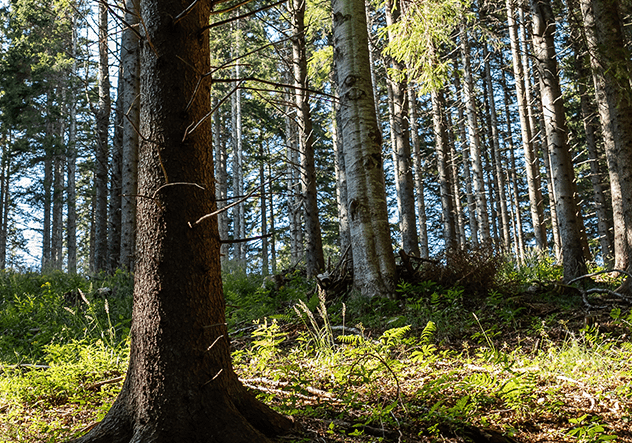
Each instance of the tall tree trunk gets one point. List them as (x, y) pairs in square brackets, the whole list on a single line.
[(401, 146), (609, 59), (293, 185), (554, 119), (116, 163), (497, 157), (239, 221), (48, 197), (71, 164), (459, 216), (221, 176), (102, 149), (373, 260), (443, 168), (314, 256), (130, 60), (604, 225), (341, 186), (180, 385), (265, 265), (273, 257), (535, 193), (516, 216), (474, 139), (59, 173), (418, 172), (467, 172)]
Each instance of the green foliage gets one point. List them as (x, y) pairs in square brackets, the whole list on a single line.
[(251, 297), (39, 310), (425, 27), (589, 431)]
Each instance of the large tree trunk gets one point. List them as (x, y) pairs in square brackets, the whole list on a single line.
[(314, 256), (130, 60), (610, 61), (180, 385), (101, 156), (535, 193), (554, 119), (373, 260), (293, 186)]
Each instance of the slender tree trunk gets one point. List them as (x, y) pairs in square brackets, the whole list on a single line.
[(535, 193), (180, 385), (221, 176), (273, 257), (418, 172), (265, 264), (482, 214), (443, 168), (459, 216), (130, 60), (500, 176), (102, 149), (59, 173), (71, 164), (401, 147), (373, 260), (554, 119), (471, 203), (341, 186), (294, 197), (116, 163), (314, 256), (239, 222), (513, 177)]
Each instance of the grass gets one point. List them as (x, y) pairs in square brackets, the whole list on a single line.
[(435, 365)]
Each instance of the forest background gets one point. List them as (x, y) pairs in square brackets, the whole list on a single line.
[(504, 130)]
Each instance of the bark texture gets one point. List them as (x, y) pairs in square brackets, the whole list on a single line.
[(556, 133), (180, 385), (373, 260)]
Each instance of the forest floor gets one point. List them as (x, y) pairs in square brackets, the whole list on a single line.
[(528, 364)]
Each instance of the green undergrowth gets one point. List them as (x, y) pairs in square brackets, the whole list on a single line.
[(435, 364)]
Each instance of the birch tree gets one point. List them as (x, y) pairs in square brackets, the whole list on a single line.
[(373, 260)]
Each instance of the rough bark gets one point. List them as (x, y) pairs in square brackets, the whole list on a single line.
[(180, 385), (555, 124), (314, 256), (609, 59), (373, 260), (71, 163), (130, 60), (57, 225), (101, 157)]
